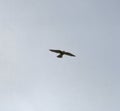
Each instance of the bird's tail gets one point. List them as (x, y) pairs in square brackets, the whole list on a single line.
[(60, 56)]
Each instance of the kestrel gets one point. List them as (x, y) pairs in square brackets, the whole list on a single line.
[(61, 53)]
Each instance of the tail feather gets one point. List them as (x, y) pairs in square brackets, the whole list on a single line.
[(60, 56)]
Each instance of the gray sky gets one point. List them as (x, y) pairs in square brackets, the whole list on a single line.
[(33, 79)]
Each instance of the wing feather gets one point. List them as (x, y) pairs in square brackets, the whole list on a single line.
[(56, 51), (69, 54)]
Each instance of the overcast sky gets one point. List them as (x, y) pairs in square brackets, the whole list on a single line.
[(33, 79)]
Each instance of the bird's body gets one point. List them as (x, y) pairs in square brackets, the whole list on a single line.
[(61, 53)]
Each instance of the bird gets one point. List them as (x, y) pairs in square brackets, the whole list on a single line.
[(61, 53)]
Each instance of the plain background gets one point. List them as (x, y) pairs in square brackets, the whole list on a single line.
[(33, 79)]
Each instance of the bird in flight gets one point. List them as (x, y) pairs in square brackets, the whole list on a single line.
[(61, 53)]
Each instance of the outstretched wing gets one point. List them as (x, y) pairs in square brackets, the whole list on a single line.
[(69, 54), (56, 51)]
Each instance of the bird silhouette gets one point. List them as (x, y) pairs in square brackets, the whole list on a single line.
[(61, 53)]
